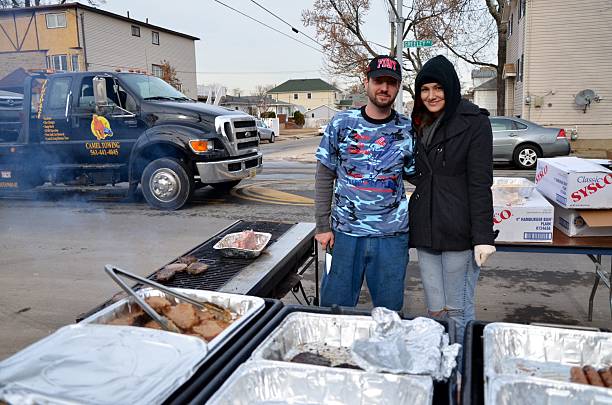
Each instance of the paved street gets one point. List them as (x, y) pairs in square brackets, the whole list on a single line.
[(55, 242)]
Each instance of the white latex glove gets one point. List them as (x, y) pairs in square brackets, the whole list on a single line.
[(482, 253)]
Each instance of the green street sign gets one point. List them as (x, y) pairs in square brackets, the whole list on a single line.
[(425, 43)]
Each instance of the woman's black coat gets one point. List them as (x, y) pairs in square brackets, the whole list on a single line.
[(452, 207)]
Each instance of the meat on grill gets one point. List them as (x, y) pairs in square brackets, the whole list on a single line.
[(169, 270), (197, 268), (590, 376), (187, 259), (183, 315), (246, 240)]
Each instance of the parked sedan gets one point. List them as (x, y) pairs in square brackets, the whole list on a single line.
[(522, 142), (265, 132)]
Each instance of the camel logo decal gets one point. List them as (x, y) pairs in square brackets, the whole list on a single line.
[(100, 127)]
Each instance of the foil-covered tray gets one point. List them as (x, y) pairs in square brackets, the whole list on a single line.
[(516, 390), (99, 364), (243, 306), (542, 352), (266, 382), (227, 246)]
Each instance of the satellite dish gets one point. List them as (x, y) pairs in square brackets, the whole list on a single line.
[(584, 98)]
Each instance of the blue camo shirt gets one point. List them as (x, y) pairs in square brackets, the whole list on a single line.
[(368, 157)]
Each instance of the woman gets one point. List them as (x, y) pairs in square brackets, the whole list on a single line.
[(451, 210)]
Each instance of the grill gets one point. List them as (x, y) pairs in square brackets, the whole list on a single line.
[(244, 124), (246, 145), (246, 134), (221, 269)]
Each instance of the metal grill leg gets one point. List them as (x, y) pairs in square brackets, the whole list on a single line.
[(597, 260)]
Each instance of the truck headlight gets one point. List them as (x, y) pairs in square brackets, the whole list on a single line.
[(201, 146)]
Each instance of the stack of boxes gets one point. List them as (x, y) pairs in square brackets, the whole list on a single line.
[(581, 192)]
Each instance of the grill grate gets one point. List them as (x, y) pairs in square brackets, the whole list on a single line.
[(221, 269)]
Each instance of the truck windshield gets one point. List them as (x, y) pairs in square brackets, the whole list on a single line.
[(152, 88)]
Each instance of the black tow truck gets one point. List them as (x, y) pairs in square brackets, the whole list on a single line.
[(99, 128)]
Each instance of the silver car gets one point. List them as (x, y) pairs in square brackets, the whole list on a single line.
[(265, 132), (523, 142)]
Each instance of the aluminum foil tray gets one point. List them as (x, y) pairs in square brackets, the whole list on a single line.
[(265, 382), (542, 352), (227, 245), (328, 335), (514, 390), (244, 306), (99, 364)]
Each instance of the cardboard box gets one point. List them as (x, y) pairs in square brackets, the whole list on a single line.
[(573, 182), (528, 220), (583, 222)]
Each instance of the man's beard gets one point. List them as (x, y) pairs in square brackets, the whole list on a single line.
[(380, 104)]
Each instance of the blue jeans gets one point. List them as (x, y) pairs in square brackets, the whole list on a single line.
[(449, 281), (382, 260)]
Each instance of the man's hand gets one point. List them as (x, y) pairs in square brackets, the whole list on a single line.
[(482, 253), (325, 239)]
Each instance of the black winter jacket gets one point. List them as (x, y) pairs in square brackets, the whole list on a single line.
[(452, 206)]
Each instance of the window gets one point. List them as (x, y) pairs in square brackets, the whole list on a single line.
[(155, 37), (499, 124), (522, 5), (57, 95), (312, 115), (510, 24), (115, 95), (518, 70), (135, 31), (309, 96), (58, 62), (56, 20), (522, 70), (75, 63), (518, 125), (295, 96), (157, 71)]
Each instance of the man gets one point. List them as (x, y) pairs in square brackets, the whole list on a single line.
[(365, 151)]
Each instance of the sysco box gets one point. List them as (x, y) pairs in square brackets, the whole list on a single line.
[(573, 182), (523, 220)]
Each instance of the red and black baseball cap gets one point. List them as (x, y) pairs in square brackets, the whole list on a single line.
[(383, 65)]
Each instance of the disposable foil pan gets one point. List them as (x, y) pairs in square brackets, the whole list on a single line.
[(227, 245), (519, 185), (265, 382), (244, 306), (99, 364), (328, 335), (515, 390), (542, 352)]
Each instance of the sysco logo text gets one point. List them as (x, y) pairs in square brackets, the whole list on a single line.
[(498, 218), (541, 174), (592, 188)]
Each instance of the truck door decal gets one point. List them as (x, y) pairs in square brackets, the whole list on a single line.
[(100, 127)]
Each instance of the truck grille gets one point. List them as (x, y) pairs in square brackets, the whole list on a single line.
[(240, 131), (244, 124), (246, 145)]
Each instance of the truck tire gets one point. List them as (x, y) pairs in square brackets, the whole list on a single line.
[(226, 186), (166, 184)]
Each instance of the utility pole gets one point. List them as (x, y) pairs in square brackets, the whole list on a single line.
[(399, 49)]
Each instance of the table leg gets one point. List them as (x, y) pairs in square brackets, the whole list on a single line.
[(610, 287), (316, 260), (597, 260)]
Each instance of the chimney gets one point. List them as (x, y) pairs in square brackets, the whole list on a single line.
[(147, 20), (128, 13)]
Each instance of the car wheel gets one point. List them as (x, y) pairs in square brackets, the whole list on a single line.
[(225, 186), (166, 184), (526, 156), (272, 138)]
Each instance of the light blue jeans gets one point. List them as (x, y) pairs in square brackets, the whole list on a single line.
[(449, 281)]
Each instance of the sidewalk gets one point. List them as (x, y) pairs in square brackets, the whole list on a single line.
[(296, 133)]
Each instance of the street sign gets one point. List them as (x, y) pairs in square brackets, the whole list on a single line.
[(425, 43)]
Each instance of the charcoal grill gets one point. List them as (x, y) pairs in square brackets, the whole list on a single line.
[(274, 273)]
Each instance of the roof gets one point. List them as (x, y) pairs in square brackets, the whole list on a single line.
[(488, 85), (95, 10), (483, 73), (14, 80), (303, 85)]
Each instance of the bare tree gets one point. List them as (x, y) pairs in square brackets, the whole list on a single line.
[(263, 99), (470, 29), (34, 3)]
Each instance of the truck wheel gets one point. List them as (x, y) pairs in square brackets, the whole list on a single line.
[(166, 184), (272, 138), (226, 186), (526, 156)]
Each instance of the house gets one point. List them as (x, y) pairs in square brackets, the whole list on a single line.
[(555, 50), (255, 105), (484, 92), (77, 37), (309, 93)]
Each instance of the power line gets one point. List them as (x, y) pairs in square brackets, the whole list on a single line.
[(266, 25), (212, 72), (291, 26)]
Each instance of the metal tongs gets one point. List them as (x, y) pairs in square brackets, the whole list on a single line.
[(114, 272)]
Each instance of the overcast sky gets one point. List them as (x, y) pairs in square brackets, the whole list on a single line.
[(240, 53)]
